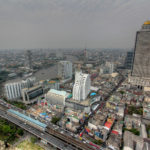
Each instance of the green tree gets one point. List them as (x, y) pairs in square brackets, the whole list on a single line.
[(135, 110), (98, 142), (33, 139), (148, 130), (133, 130), (55, 120), (20, 131), (6, 129), (122, 93), (18, 104)]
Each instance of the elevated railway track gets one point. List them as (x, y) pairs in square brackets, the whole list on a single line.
[(63, 141), (69, 139)]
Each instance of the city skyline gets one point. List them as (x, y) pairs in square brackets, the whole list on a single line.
[(71, 24)]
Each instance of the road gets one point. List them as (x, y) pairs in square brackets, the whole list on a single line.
[(42, 135), (51, 136), (58, 140), (101, 103)]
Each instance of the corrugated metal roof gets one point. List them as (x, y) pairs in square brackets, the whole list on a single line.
[(27, 118)]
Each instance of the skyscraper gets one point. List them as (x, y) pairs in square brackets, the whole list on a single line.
[(110, 67), (129, 60), (82, 86), (29, 59), (140, 74), (65, 70)]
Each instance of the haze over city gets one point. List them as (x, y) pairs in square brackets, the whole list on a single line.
[(71, 23), (74, 75)]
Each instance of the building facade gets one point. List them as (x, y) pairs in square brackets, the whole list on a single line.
[(81, 87), (56, 97), (13, 90), (140, 74), (29, 94), (108, 68), (49, 84), (65, 70), (129, 60)]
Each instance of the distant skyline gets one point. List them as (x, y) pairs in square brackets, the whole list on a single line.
[(71, 23)]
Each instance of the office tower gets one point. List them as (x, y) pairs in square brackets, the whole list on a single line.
[(140, 74), (65, 70), (110, 66), (128, 60), (29, 59), (13, 90), (81, 87)]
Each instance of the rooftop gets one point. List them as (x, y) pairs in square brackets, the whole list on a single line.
[(27, 118), (62, 93), (85, 102), (147, 22)]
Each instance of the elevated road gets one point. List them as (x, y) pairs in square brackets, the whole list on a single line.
[(51, 136), (42, 135)]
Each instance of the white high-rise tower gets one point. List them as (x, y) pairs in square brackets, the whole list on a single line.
[(65, 70), (82, 86)]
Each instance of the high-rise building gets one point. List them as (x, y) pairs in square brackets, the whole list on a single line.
[(108, 68), (140, 74), (82, 86), (128, 60), (29, 59), (65, 70), (13, 90)]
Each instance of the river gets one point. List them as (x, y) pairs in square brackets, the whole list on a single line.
[(47, 73)]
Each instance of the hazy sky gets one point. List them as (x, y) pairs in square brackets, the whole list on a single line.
[(71, 23)]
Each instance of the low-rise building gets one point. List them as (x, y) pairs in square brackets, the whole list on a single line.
[(78, 105), (132, 142), (143, 131), (132, 121), (56, 97), (114, 140)]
